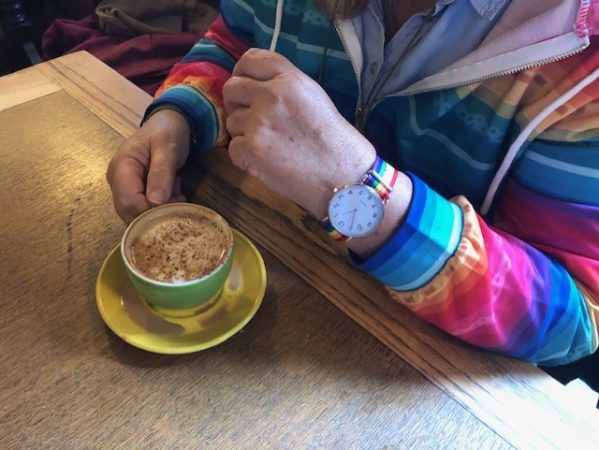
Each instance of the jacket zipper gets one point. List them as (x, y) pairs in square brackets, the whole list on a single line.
[(360, 112), (363, 111), (366, 111), (501, 73)]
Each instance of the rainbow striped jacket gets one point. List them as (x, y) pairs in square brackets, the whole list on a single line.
[(500, 247)]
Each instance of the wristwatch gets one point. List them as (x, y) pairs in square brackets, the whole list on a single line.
[(357, 210)]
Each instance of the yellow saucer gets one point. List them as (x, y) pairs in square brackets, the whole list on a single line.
[(139, 324)]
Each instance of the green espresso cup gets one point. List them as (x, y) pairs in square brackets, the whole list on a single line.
[(179, 298)]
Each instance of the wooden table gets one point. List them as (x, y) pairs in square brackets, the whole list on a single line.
[(302, 374)]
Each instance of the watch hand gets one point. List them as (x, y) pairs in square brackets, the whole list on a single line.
[(353, 219)]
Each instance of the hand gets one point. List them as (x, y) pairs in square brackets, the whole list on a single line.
[(286, 131), (143, 172)]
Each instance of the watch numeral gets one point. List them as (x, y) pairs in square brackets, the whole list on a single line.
[(336, 205), (350, 229), (369, 224), (361, 192), (360, 227), (369, 196), (375, 215), (350, 192), (341, 223)]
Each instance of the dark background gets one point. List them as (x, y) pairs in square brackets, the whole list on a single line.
[(23, 22)]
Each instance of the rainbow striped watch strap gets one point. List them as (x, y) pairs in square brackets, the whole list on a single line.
[(381, 177), (332, 231)]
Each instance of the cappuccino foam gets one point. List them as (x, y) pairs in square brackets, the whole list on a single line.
[(179, 248)]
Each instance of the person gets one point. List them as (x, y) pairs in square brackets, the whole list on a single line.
[(466, 130)]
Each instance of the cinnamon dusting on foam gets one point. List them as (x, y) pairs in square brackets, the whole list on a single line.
[(180, 248)]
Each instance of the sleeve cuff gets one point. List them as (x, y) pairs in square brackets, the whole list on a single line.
[(420, 248), (197, 109)]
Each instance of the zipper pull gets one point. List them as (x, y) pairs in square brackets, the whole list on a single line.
[(360, 115)]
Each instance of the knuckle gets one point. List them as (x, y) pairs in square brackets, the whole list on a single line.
[(290, 81), (159, 154), (229, 84), (230, 123), (110, 171), (237, 155), (112, 168), (284, 86), (253, 53), (275, 93), (277, 58), (125, 205), (252, 170), (130, 143), (133, 147), (255, 136), (236, 159), (258, 123)]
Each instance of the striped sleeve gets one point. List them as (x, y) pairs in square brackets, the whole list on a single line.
[(195, 85), (492, 289), (419, 250)]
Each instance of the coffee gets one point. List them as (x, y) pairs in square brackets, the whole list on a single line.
[(179, 248)]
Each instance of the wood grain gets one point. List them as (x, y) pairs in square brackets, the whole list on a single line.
[(519, 401), (300, 375), (103, 91), (525, 406), (20, 87)]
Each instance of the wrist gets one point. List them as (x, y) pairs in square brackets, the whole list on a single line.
[(396, 210), (174, 117), (347, 171)]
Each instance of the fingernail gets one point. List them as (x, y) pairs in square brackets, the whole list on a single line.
[(157, 197)]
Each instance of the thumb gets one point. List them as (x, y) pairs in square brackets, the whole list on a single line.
[(161, 175)]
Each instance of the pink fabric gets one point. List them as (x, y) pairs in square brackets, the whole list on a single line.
[(144, 60), (594, 17)]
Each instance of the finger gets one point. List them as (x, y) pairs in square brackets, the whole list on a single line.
[(237, 121), (238, 152), (239, 92), (241, 155), (126, 180), (161, 175), (262, 65)]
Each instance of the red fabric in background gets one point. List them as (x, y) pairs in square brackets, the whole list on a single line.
[(145, 60)]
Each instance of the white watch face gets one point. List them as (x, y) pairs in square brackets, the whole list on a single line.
[(356, 210)]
